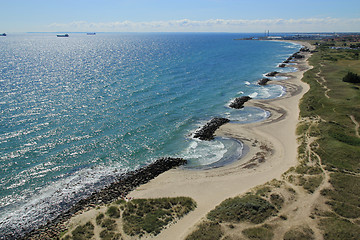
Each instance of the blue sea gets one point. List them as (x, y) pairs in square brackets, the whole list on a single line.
[(76, 112)]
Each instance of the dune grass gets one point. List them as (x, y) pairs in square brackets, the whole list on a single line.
[(250, 208), (206, 231), (339, 147), (150, 216), (259, 233)]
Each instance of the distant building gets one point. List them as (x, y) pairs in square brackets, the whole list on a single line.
[(274, 37)]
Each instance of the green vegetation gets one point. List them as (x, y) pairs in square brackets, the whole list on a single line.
[(332, 100), (351, 78), (277, 200), (299, 234), (99, 218), (249, 208), (206, 231), (260, 233), (108, 224), (263, 190), (337, 228), (344, 198), (311, 183), (113, 212), (152, 215), (83, 232), (306, 169), (108, 235)]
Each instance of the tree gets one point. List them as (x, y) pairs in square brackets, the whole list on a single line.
[(351, 78)]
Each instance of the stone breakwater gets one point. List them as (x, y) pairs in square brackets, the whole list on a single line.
[(263, 81), (272, 74), (118, 189), (239, 102), (207, 131)]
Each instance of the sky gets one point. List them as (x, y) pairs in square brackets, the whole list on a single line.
[(179, 16)]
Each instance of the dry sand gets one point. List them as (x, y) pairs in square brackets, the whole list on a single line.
[(272, 150)]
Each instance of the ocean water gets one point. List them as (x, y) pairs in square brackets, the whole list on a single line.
[(76, 112)]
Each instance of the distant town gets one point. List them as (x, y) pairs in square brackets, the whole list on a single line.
[(338, 37)]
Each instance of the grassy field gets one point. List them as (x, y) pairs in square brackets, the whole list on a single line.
[(338, 142)]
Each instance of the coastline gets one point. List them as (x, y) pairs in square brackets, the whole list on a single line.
[(272, 151)]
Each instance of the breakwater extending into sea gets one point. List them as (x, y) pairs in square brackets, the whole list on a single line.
[(78, 114)]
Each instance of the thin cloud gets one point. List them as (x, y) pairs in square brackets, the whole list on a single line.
[(214, 25)]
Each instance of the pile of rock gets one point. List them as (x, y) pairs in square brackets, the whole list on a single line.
[(272, 74), (297, 55), (207, 131), (263, 81), (239, 102), (125, 183)]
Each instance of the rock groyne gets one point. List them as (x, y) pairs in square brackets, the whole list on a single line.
[(118, 189), (207, 131), (239, 102), (263, 81)]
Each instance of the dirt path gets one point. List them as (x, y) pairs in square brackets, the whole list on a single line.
[(356, 125), (300, 212), (321, 80)]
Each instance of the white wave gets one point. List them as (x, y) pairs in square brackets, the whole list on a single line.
[(56, 197), (265, 93), (205, 153), (247, 83), (254, 94)]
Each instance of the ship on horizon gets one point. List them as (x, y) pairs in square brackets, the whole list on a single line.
[(63, 35), (3, 35), (90, 33)]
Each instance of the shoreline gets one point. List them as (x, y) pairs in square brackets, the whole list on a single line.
[(272, 151), (264, 153)]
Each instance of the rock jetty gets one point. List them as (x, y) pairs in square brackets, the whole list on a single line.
[(120, 188), (298, 56), (239, 102), (263, 81), (207, 132)]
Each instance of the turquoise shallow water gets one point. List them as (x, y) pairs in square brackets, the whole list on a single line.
[(77, 111)]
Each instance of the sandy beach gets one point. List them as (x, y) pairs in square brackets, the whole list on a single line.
[(272, 150)]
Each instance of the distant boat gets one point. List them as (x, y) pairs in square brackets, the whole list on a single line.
[(63, 35), (92, 33), (3, 35)]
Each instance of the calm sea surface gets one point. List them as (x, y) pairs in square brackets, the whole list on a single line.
[(77, 111)]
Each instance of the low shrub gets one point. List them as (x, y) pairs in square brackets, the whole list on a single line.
[(249, 208), (113, 212), (260, 233), (83, 232), (206, 231), (99, 218), (299, 234), (109, 224), (152, 215)]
